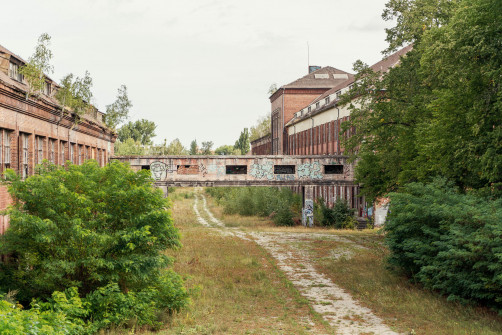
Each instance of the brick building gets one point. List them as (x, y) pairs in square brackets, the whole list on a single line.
[(33, 129), (262, 145), (290, 98), (314, 129)]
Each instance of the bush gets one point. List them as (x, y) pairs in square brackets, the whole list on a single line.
[(340, 216), (102, 230), (281, 203), (448, 241)]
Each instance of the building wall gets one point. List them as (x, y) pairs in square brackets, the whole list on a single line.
[(262, 146), (289, 101)]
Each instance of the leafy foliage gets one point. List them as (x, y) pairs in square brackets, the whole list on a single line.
[(339, 216), (75, 95), (262, 128), (242, 144), (280, 203), (227, 150), (38, 64), (141, 131), (439, 112), (85, 226), (207, 148), (118, 111), (194, 149), (448, 241)]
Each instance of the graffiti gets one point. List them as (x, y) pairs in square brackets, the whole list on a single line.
[(202, 169), (218, 170), (284, 177), (310, 171), (308, 213), (262, 171), (347, 170), (159, 170)]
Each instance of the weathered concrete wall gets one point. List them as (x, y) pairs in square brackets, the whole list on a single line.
[(245, 170)]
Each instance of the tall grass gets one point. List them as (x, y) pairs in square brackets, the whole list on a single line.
[(281, 204)]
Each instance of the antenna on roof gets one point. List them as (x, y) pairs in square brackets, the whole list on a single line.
[(308, 56)]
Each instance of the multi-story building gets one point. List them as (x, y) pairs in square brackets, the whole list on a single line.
[(33, 128), (290, 98), (314, 129)]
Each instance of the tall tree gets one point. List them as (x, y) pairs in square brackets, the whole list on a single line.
[(207, 148), (141, 131), (194, 149), (243, 142), (38, 64), (439, 111), (176, 148), (118, 111)]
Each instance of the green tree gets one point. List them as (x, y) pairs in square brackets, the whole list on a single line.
[(86, 227), (141, 131), (438, 112), (226, 150), (272, 89), (118, 111), (207, 148), (74, 95), (38, 64), (194, 149), (129, 147), (262, 128), (243, 142), (176, 148)]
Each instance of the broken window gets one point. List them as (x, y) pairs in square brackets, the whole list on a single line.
[(236, 169), (284, 169), (333, 169)]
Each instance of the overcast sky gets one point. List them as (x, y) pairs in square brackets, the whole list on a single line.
[(198, 69)]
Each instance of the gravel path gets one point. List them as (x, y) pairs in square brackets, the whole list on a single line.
[(334, 304)]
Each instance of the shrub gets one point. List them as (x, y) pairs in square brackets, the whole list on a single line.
[(448, 241), (340, 216), (102, 230)]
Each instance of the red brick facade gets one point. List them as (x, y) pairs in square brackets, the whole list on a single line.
[(262, 146), (33, 129)]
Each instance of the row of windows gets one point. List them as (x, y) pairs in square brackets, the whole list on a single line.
[(56, 151), (16, 75)]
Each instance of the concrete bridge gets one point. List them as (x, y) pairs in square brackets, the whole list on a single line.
[(305, 172)]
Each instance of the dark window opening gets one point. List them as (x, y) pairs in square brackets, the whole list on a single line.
[(145, 167), (333, 169), (236, 169), (284, 169)]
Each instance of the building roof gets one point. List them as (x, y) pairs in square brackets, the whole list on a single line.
[(382, 66), (23, 87)]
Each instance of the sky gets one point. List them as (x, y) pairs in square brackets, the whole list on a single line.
[(199, 69)]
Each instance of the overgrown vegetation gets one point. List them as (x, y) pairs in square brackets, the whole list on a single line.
[(450, 242), (340, 216), (281, 204), (97, 236)]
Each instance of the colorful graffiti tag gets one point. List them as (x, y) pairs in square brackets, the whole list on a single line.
[(263, 171), (310, 171)]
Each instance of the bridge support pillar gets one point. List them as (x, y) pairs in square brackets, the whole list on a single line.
[(308, 205), (164, 190)]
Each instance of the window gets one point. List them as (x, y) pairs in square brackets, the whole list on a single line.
[(338, 95), (333, 169), (25, 143), (80, 154), (326, 101), (47, 88), (72, 153), (317, 105), (6, 148), (40, 149), (236, 169), (62, 152), (309, 109), (52, 151), (14, 72), (284, 169)]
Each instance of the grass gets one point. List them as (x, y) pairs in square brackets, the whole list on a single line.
[(237, 287)]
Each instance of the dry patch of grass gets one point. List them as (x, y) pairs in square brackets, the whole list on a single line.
[(238, 288), (396, 300)]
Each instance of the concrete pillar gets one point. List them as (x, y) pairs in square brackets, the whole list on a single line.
[(308, 206), (164, 190)]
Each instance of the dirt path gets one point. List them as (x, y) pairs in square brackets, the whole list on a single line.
[(334, 304)]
